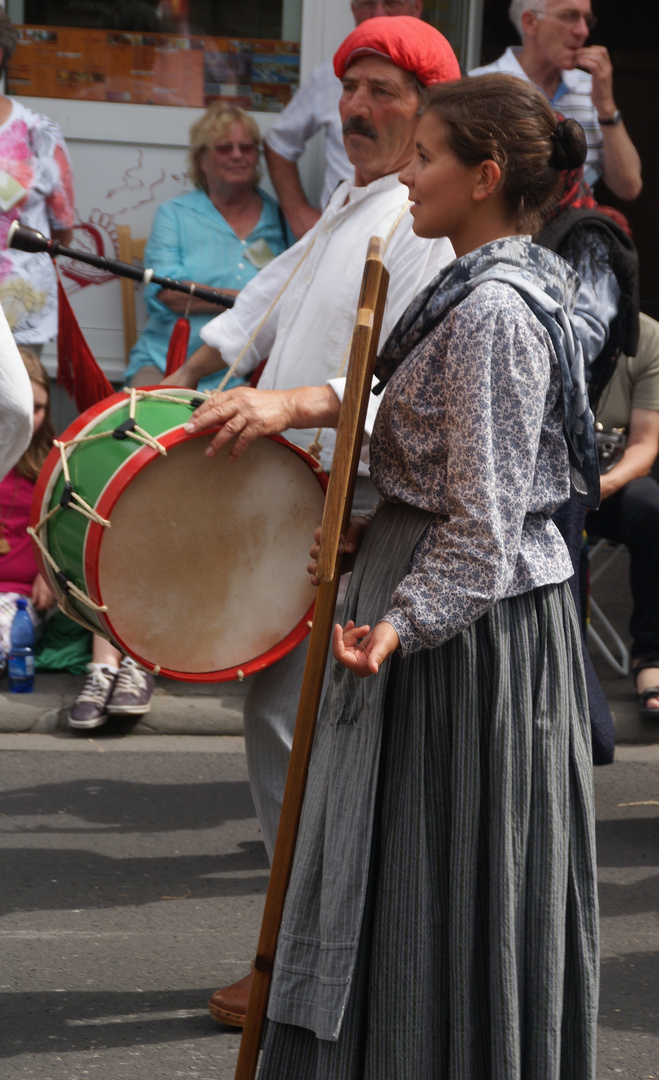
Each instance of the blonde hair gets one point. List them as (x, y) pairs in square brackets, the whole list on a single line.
[(32, 460), (210, 128)]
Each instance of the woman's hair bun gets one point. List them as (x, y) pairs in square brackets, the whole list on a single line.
[(569, 145)]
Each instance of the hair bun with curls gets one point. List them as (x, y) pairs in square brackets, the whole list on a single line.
[(569, 145)]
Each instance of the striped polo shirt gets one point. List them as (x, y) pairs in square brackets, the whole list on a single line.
[(572, 98)]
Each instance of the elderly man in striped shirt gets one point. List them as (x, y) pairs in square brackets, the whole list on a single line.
[(578, 80)]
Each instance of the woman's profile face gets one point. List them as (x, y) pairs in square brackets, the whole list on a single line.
[(40, 395), (231, 160), (440, 184)]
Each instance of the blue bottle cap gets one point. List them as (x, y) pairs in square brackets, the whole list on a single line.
[(21, 602)]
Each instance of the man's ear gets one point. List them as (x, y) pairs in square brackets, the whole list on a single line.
[(487, 180), (529, 21)]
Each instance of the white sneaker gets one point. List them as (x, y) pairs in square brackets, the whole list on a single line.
[(132, 691), (90, 708)]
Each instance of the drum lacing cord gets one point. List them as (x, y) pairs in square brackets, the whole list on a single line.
[(255, 333), (136, 432), (74, 501), (315, 446), (65, 583), (195, 397)]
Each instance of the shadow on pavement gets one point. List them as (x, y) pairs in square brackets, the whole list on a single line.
[(629, 993), (84, 1021), (79, 880), (119, 806)]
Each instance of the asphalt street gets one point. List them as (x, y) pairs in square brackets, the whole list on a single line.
[(133, 877), (133, 882)]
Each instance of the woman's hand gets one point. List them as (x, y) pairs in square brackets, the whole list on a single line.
[(203, 361), (348, 547), (361, 649), (42, 595), (182, 304)]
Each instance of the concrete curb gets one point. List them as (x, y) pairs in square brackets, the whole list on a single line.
[(176, 709)]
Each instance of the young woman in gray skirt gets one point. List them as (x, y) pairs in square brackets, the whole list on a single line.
[(441, 921)]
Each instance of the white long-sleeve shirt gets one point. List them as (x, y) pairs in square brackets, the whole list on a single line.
[(314, 105), (307, 336), (16, 401)]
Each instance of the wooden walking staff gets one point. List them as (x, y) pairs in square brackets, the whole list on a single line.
[(365, 337)]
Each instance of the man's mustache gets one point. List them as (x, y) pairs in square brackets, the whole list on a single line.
[(356, 125)]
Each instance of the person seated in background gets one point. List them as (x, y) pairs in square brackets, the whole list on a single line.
[(629, 513), (19, 573), (595, 241), (219, 235)]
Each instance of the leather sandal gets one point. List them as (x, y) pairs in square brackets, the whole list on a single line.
[(650, 691), (229, 1005)]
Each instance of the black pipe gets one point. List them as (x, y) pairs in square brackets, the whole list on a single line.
[(19, 236)]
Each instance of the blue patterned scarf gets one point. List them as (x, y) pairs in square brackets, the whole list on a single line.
[(549, 286)]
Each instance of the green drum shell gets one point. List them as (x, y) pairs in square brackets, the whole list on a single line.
[(92, 467)]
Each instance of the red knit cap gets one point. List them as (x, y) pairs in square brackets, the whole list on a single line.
[(409, 43)]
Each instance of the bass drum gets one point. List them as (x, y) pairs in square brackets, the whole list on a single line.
[(194, 566)]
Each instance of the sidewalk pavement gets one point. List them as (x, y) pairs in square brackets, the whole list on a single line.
[(216, 709), (177, 708)]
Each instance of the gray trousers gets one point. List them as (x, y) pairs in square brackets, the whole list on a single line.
[(271, 710)]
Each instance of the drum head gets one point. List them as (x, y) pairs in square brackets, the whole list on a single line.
[(203, 569)]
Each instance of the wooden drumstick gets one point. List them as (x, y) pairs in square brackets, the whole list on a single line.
[(363, 349)]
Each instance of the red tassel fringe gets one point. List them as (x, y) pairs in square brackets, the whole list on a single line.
[(178, 346), (77, 370)]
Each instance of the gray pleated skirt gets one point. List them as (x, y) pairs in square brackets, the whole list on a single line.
[(478, 954)]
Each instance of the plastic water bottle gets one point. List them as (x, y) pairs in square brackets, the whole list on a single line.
[(20, 660)]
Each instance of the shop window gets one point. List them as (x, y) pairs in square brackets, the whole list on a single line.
[(172, 52)]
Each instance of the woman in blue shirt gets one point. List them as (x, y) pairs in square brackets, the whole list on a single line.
[(219, 235)]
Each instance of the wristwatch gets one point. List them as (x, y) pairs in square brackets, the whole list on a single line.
[(615, 119)]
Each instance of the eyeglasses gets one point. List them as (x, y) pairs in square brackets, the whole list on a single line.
[(571, 17), (226, 148)]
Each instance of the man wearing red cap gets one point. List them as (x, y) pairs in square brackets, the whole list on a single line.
[(299, 312), (314, 107)]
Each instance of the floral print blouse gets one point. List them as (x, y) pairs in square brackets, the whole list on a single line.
[(471, 428), (36, 188)]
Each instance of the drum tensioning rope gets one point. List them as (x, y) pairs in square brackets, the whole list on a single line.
[(72, 500)]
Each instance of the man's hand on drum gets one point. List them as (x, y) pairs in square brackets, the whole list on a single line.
[(245, 414), (348, 547), (361, 649)]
